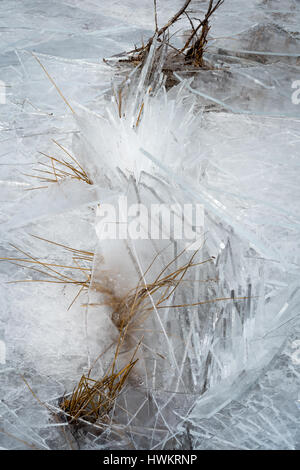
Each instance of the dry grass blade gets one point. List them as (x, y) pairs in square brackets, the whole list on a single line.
[(55, 272), (59, 169), (32, 446), (53, 83)]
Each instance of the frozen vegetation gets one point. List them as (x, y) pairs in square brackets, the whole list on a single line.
[(218, 349)]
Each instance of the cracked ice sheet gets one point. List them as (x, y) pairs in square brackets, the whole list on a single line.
[(63, 30), (257, 90), (257, 12)]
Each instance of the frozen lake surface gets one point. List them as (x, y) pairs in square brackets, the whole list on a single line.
[(228, 139)]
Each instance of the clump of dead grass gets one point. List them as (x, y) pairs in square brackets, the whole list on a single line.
[(131, 310), (54, 272), (92, 400), (58, 169)]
